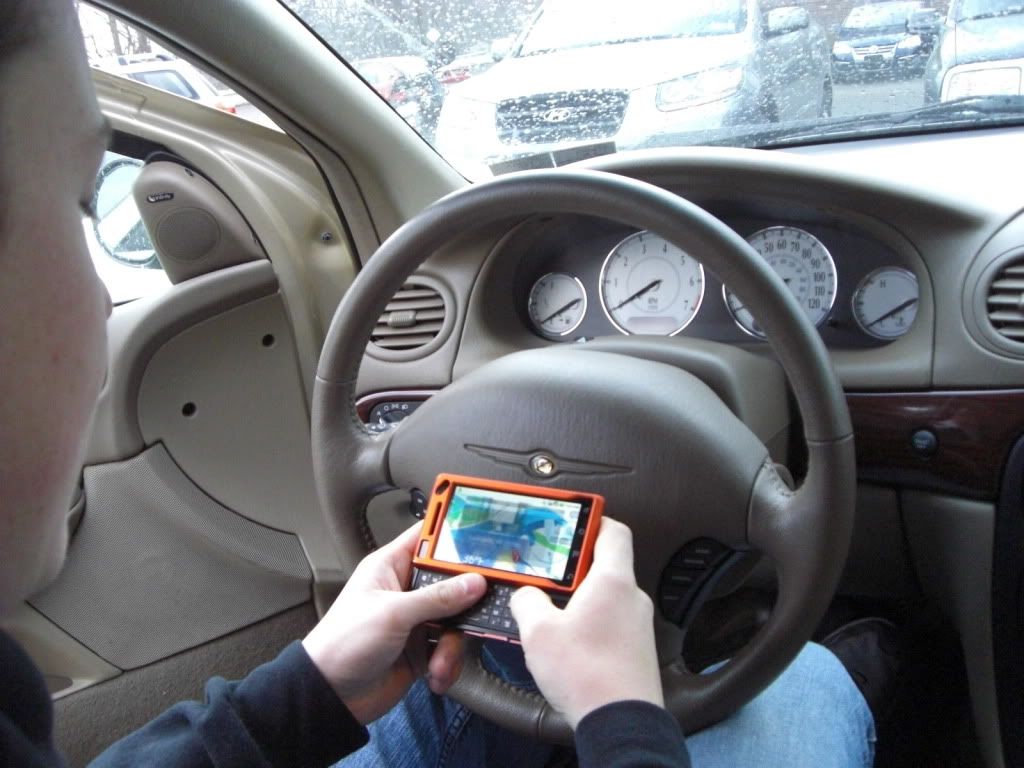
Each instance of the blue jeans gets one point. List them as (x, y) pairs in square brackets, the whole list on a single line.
[(812, 715)]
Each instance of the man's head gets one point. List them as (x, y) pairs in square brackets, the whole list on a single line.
[(52, 306)]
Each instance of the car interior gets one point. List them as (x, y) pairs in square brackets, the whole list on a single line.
[(346, 316)]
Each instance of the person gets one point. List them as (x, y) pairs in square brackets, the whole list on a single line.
[(364, 662)]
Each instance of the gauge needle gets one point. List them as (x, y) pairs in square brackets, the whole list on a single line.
[(893, 311), (560, 310), (649, 287)]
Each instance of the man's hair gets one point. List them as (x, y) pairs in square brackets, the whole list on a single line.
[(20, 24)]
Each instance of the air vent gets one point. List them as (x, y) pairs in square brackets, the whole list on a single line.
[(412, 319), (1005, 302)]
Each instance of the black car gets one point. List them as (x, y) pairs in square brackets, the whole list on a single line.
[(877, 39), (980, 51)]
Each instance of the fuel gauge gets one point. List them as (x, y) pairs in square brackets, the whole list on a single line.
[(557, 304), (885, 302)]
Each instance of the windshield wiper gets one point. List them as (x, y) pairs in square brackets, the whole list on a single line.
[(972, 111)]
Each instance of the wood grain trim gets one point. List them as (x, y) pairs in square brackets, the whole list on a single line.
[(975, 431)]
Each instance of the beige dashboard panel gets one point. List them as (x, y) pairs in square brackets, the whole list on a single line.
[(273, 183)]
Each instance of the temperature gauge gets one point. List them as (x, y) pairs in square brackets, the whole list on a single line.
[(557, 304), (885, 302)]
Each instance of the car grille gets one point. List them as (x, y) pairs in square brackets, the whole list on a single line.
[(870, 50), (565, 116)]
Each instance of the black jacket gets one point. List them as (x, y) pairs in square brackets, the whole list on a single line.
[(282, 714)]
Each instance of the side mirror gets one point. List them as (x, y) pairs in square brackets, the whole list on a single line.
[(502, 47), (118, 226), (782, 21)]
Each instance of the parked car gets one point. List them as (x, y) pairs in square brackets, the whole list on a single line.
[(574, 77), (875, 39), (394, 61), (179, 77), (980, 51), (464, 66), (409, 86)]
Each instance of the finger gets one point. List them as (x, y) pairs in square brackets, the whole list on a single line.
[(613, 550), (445, 664), (446, 598), (529, 607), (405, 542)]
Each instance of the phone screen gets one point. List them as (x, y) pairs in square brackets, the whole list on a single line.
[(509, 531)]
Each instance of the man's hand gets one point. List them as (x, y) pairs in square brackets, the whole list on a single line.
[(599, 649), (363, 646)]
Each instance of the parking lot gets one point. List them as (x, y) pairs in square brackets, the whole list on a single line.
[(881, 96)]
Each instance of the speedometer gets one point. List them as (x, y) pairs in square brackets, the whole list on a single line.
[(805, 266), (650, 286)]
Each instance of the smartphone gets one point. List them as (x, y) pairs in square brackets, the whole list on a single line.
[(514, 535)]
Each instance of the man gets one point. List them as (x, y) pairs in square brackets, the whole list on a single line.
[(310, 705)]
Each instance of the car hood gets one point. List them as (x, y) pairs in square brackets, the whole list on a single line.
[(864, 37), (624, 66), (1001, 37)]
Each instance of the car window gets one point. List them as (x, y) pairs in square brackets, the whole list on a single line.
[(498, 86), (166, 80), (120, 48), (118, 242)]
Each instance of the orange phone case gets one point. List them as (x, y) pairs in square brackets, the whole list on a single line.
[(444, 488)]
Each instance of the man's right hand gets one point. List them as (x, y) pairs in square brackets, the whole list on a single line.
[(600, 648)]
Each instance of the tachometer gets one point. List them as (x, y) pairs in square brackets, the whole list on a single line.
[(803, 263), (885, 302), (557, 304), (650, 286)]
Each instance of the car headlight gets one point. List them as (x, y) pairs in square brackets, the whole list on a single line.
[(842, 48), (909, 43), (982, 81), (699, 88)]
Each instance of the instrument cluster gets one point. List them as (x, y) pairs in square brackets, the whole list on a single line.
[(580, 284)]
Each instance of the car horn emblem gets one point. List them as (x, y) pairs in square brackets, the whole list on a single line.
[(557, 115), (544, 463)]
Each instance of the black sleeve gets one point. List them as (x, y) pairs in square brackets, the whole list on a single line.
[(630, 733), (283, 714)]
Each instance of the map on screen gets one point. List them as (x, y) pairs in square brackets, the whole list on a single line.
[(521, 534)]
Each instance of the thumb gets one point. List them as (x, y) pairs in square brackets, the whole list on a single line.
[(445, 598), (529, 607)]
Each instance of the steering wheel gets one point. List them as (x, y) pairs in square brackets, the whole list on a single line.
[(673, 462)]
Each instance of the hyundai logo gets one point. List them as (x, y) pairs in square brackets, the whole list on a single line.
[(557, 115)]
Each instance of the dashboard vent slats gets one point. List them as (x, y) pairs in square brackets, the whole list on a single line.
[(1005, 302), (412, 319)]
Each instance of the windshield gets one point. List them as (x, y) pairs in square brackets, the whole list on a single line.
[(579, 23), (502, 85)]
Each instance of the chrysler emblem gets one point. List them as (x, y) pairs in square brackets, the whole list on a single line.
[(557, 115), (542, 465)]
